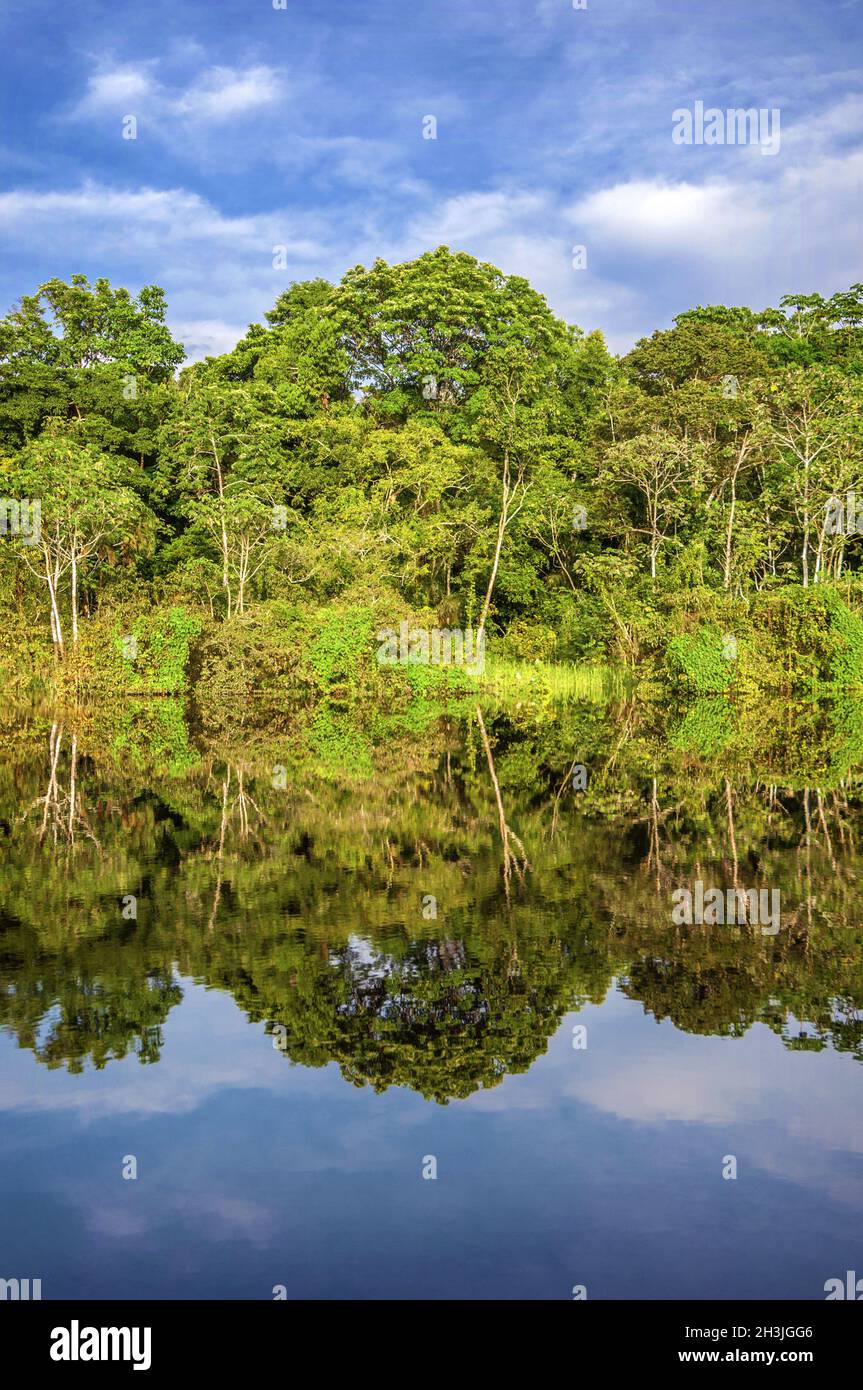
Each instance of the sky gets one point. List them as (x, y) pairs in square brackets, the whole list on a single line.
[(274, 145)]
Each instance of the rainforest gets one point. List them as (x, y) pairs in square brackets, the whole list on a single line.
[(427, 443)]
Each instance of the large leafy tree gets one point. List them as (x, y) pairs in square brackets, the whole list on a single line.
[(91, 353), (91, 518), (813, 433)]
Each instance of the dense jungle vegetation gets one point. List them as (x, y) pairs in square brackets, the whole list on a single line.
[(428, 442)]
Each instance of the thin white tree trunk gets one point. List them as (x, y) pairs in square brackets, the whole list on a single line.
[(74, 594), (56, 625), (501, 529)]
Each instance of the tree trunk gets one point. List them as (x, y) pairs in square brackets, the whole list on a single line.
[(226, 582), (56, 625), (501, 528), (806, 527), (74, 595), (729, 534)]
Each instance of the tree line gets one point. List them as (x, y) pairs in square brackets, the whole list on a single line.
[(430, 439)]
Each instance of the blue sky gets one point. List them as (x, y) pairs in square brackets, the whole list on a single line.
[(303, 128)]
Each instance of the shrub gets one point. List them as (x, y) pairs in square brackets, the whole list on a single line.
[(342, 643), (130, 652), (815, 638), (698, 658)]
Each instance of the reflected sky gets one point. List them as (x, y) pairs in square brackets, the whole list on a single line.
[(601, 1166)]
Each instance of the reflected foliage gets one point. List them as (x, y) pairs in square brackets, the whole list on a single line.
[(426, 915)]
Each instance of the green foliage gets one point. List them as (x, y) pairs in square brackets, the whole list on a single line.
[(428, 438), (339, 747), (156, 734), (163, 639), (129, 652), (846, 627), (698, 658), (815, 638), (438, 682), (847, 742), (526, 641), (342, 643), (260, 889), (251, 668), (707, 728), (95, 353)]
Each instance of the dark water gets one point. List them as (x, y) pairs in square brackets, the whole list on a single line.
[(336, 974)]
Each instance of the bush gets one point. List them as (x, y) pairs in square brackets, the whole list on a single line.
[(130, 652), (700, 659), (253, 663), (342, 644), (708, 727), (815, 638), (526, 641)]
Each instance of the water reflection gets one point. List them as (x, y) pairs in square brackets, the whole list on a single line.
[(429, 909), (429, 922)]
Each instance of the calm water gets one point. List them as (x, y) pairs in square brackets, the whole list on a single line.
[(349, 955)]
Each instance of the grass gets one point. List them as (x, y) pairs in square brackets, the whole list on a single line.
[(520, 680)]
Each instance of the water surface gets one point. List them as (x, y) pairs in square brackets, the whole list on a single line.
[(352, 959)]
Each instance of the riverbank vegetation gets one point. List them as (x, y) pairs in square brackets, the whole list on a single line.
[(427, 443)]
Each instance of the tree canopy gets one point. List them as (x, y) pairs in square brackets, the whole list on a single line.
[(429, 441)]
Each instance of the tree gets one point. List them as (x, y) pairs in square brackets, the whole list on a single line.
[(78, 350), (242, 526), (812, 425), (90, 515), (201, 443), (656, 466)]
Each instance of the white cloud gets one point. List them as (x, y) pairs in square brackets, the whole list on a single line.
[(117, 88), (652, 216), (218, 94), (162, 217), (223, 93), (742, 240), (206, 337), (709, 225), (523, 233), (217, 270), (475, 215)]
